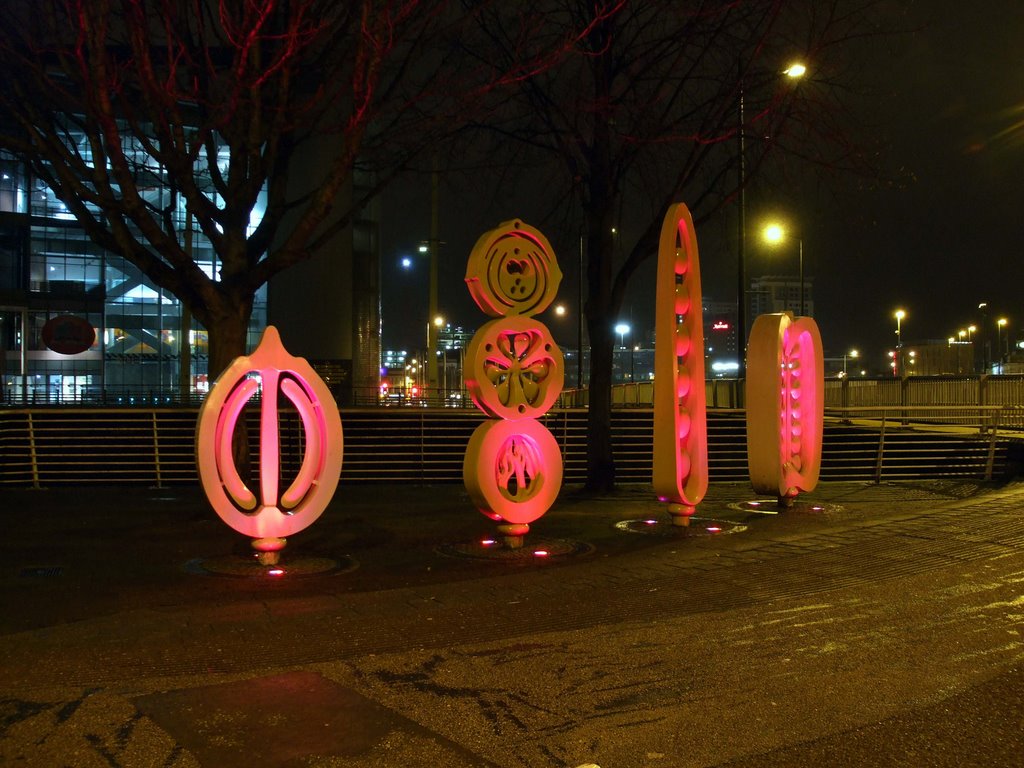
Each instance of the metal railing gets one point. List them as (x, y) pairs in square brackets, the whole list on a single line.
[(51, 446)]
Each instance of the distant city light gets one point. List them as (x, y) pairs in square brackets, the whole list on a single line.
[(406, 262), (727, 365)]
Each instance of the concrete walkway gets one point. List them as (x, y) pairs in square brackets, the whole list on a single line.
[(870, 625)]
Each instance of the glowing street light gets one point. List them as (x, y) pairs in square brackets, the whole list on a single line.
[(622, 329), (853, 353), (795, 71), (1000, 324), (774, 233), (899, 315)]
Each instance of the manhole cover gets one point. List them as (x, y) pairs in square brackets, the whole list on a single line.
[(249, 567), (771, 507), (533, 550), (699, 526)]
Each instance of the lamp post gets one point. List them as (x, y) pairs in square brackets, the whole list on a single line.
[(897, 368), (1000, 324), (853, 353), (774, 233), (434, 327), (794, 72), (622, 329)]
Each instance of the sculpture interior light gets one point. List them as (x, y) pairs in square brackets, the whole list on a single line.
[(680, 466), (268, 515), (512, 469), (785, 405)]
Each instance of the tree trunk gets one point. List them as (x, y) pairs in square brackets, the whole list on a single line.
[(227, 332), (600, 321), (600, 459)]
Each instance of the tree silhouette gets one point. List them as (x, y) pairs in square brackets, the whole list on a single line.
[(116, 103), (646, 112)]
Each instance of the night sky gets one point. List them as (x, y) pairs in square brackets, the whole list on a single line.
[(937, 229)]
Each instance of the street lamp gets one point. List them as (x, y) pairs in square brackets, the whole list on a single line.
[(853, 353), (795, 71), (897, 362), (1000, 324), (774, 233), (622, 329)]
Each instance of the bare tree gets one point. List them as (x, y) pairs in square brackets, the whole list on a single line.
[(646, 112), (109, 100)]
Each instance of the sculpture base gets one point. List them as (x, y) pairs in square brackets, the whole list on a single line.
[(268, 550), (512, 534), (681, 514)]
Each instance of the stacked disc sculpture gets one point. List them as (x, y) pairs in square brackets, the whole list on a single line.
[(514, 373)]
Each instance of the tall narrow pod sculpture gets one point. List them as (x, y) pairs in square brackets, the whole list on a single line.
[(680, 475), (512, 469), (266, 514), (785, 395)]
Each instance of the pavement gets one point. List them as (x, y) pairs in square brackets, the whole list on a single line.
[(869, 625)]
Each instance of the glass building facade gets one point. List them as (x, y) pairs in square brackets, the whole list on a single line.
[(146, 348)]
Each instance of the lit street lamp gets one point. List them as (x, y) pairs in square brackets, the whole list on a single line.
[(853, 353), (433, 328), (774, 234), (1000, 324), (622, 329), (897, 362)]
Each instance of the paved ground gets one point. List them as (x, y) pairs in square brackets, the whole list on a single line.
[(885, 627)]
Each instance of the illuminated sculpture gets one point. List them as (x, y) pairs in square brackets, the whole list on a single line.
[(269, 515), (514, 371), (680, 475), (785, 405)]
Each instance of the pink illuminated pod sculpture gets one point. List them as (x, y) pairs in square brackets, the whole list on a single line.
[(785, 405), (680, 475), (268, 514), (514, 372)]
